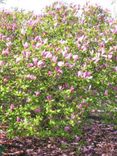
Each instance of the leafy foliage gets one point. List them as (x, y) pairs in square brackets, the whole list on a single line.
[(55, 68)]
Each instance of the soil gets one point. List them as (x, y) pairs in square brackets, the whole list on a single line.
[(98, 139)]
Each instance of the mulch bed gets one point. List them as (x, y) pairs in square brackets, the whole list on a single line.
[(98, 140)]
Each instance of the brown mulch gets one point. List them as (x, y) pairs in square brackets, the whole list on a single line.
[(98, 140)]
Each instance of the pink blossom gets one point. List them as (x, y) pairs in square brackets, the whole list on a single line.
[(41, 63), (37, 93), (60, 63), (18, 119), (58, 70), (25, 45), (23, 31), (65, 86), (77, 138), (26, 54), (8, 44), (71, 89), (33, 22), (87, 75), (31, 77), (49, 97), (106, 92), (64, 53), (5, 52), (102, 45), (75, 57), (54, 59), (6, 79), (49, 73), (114, 31), (80, 73), (30, 65), (35, 61), (37, 38), (2, 63), (37, 110), (69, 65), (48, 55), (110, 55), (67, 128), (80, 39), (80, 106), (84, 47), (115, 69), (60, 87), (12, 107), (68, 56), (38, 45), (14, 26), (18, 59)]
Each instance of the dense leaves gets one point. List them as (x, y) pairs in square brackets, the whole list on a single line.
[(55, 68)]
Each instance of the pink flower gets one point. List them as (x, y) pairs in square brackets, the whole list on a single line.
[(25, 45), (6, 79), (30, 65), (75, 57), (80, 106), (8, 44), (77, 138), (49, 73), (18, 59), (115, 69), (49, 97), (102, 45), (37, 93), (54, 59), (84, 47), (106, 93), (37, 38), (5, 52), (65, 86), (71, 89), (37, 110), (79, 74), (38, 45), (87, 74), (67, 128), (110, 55), (48, 55), (60, 87), (26, 54), (41, 63), (14, 26), (115, 30), (69, 65), (64, 53), (31, 77), (58, 70), (60, 63), (18, 119), (68, 56), (35, 61), (12, 107), (2, 63), (80, 39)]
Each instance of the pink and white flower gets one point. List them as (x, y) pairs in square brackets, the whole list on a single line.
[(60, 63)]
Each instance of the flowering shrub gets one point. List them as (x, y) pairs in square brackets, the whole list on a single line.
[(56, 67)]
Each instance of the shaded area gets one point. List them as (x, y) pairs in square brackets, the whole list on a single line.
[(97, 139)]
